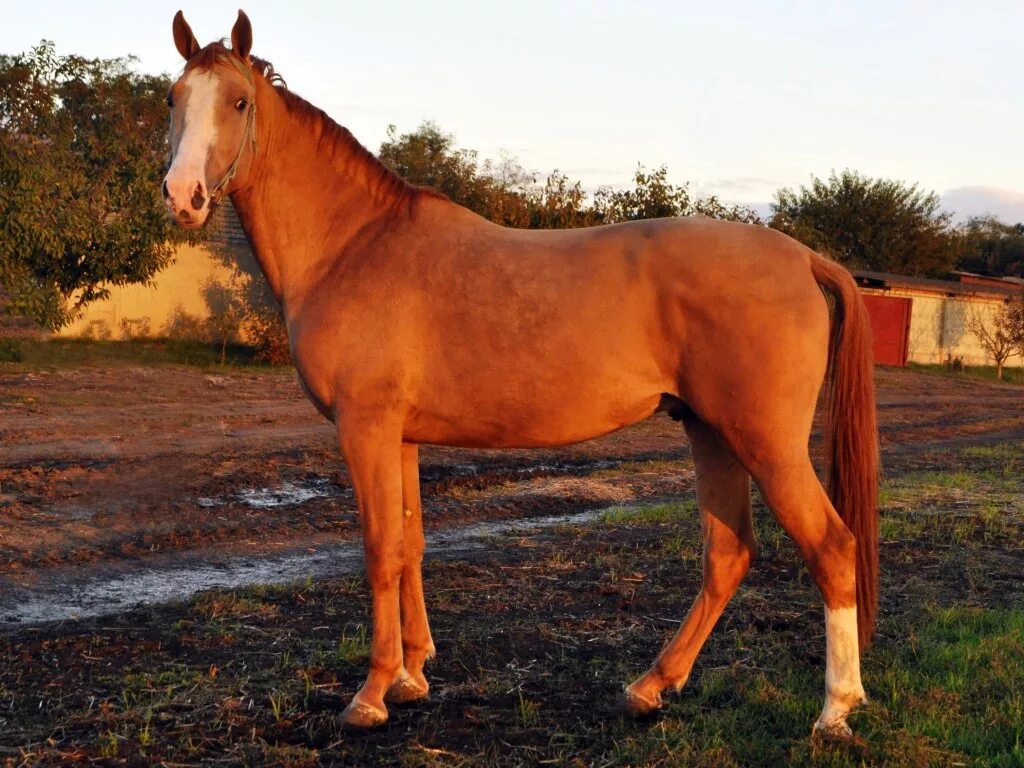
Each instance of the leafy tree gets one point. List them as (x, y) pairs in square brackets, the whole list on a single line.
[(428, 157), (991, 247), (506, 193), (82, 151), (561, 204), (654, 197), (877, 224)]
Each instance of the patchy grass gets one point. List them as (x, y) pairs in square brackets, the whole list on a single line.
[(947, 694), (999, 451), (981, 504), (68, 353), (1011, 375), (534, 643), (649, 513)]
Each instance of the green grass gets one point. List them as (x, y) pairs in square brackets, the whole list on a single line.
[(10, 351), (998, 451), (948, 692), (1013, 375), (649, 513), (977, 506), (68, 353)]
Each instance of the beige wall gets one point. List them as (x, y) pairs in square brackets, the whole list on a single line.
[(938, 326), (176, 303)]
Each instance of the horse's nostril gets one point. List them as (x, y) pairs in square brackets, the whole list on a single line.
[(198, 198), (184, 215), (167, 192)]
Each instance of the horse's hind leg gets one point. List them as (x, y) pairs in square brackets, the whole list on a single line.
[(417, 645), (792, 491), (723, 494)]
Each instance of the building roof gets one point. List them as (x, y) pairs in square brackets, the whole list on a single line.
[(887, 280), (973, 277)]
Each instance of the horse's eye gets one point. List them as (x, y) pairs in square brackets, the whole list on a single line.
[(170, 101), (241, 104)]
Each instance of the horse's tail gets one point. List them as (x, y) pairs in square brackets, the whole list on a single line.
[(851, 432)]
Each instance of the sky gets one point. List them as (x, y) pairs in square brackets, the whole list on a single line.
[(737, 98)]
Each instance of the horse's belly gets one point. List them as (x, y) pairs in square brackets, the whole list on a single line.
[(503, 424)]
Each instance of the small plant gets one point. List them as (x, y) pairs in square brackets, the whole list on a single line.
[(307, 682), (527, 711), (278, 704), (145, 735), (353, 648), (10, 351), (109, 745)]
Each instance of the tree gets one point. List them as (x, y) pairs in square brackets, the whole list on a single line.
[(1002, 335), (654, 197), (428, 157), (508, 194), (227, 304), (991, 247), (82, 152), (866, 223)]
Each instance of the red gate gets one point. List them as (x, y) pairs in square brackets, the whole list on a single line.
[(890, 325)]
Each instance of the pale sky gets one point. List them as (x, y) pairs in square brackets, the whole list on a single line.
[(738, 98)]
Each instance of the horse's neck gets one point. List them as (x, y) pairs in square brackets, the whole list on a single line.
[(302, 206)]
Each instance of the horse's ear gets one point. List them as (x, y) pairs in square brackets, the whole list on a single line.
[(241, 36), (184, 40)]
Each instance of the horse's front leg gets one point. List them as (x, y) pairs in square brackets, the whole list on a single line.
[(372, 448), (417, 645)]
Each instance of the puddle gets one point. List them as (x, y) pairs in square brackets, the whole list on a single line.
[(67, 595), (293, 494), (286, 495)]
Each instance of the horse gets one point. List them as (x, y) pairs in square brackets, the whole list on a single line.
[(412, 320)]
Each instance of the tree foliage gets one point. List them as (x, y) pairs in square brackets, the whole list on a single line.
[(991, 247), (82, 151), (506, 193), (652, 196), (866, 223), (501, 191)]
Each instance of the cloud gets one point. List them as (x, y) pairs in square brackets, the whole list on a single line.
[(743, 186), (964, 202)]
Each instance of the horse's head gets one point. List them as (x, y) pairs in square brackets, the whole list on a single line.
[(213, 122)]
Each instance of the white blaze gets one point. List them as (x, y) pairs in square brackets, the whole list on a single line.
[(843, 689), (199, 132)]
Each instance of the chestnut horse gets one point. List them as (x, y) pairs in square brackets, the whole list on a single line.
[(413, 320)]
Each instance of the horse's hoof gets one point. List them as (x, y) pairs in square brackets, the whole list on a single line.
[(406, 689), (360, 715), (832, 730), (637, 706)]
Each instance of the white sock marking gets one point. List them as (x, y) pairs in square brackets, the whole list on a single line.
[(843, 689)]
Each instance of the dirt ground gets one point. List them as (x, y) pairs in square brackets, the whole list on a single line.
[(535, 635), (99, 464)]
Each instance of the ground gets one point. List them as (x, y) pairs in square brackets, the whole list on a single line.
[(125, 468)]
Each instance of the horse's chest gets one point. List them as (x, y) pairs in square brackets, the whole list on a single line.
[(320, 400), (312, 378)]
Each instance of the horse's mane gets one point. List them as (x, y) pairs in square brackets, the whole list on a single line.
[(384, 184)]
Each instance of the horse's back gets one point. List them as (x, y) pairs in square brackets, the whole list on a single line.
[(515, 337)]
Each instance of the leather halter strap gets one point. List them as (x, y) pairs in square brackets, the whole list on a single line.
[(247, 137)]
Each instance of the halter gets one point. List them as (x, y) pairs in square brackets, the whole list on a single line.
[(249, 135)]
